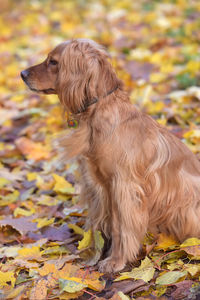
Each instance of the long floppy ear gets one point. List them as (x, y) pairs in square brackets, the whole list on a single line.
[(84, 74)]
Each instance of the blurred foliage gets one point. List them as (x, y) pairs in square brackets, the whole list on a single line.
[(155, 48)]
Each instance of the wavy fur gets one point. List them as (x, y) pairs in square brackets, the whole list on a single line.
[(136, 175)]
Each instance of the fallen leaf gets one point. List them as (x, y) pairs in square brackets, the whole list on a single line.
[(76, 229), (192, 247), (86, 241), (42, 222), (71, 286), (170, 277), (6, 277), (32, 150), (145, 271), (15, 292), (62, 185), (39, 291), (22, 225), (30, 253), (165, 242), (120, 296), (56, 233)]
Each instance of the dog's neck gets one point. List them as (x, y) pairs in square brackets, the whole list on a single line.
[(93, 101)]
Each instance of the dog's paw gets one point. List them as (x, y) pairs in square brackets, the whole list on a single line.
[(111, 265)]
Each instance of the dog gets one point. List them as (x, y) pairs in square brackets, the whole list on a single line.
[(136, 175)]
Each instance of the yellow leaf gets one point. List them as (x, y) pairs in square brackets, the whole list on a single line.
[(48, 268), (30, 253), (15, 292), (176, 265), (167, 68), (54, 250), (190, 242), (42, 222), (3, 182), (154, 108), (6, 277), (32, 176), (162, 121), (48, 201), (69, 296), (145, 271), (86, 241), (195, 133), (193, 66), (23, 212), (192, 269), (192, 247), (62, 185), (91, 280), (157, 77), (165, 241), (96, 285), (10, 198), (76, 228)]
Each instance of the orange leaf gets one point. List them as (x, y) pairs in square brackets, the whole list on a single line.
[(32, 150)]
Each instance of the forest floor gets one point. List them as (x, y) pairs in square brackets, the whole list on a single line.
[(155, 48)]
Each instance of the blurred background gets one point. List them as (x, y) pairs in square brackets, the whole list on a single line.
[(154, 47)]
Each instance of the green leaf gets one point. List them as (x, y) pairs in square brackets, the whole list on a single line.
[(170, 277), (99, 241), (71, 286), (185, 80)]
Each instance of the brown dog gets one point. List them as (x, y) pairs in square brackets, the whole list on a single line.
[(136, 175)]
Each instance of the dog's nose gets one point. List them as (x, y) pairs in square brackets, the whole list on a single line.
[(24, 74)]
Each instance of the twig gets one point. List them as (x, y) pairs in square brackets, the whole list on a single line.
[(160, 258), (93, 296)]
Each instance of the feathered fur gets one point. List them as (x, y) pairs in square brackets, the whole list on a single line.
[(136, 175)]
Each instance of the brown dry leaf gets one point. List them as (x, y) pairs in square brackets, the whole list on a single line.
[(22, 225), (39, 291), (192, 247)]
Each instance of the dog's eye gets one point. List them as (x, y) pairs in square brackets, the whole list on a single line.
[(53, 62)]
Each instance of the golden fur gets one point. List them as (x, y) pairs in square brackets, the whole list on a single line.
[(136, 175)]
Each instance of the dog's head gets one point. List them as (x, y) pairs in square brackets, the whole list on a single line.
[(77, 71)]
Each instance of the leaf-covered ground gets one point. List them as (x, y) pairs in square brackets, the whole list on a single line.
[(155, 47)]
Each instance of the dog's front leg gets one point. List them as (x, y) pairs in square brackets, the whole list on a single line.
[(129, 219)]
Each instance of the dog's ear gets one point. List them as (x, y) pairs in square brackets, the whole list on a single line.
[(84, 74)]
